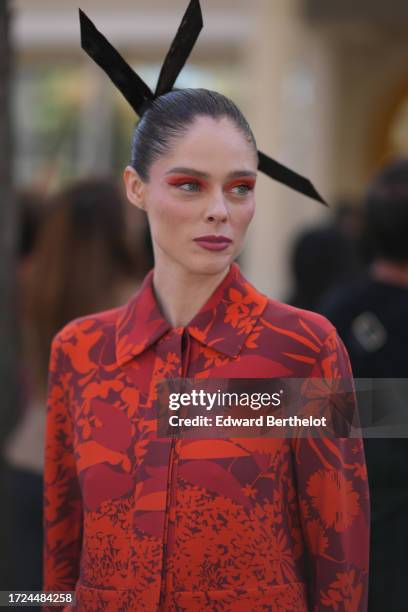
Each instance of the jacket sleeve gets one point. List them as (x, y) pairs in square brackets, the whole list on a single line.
[(334, 503), (62, 519)]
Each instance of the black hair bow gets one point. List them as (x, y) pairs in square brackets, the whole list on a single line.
[(140, 96)]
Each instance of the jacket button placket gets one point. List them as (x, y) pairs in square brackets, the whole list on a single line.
[(180, 344)]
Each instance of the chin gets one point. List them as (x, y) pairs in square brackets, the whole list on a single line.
[(209, 264)]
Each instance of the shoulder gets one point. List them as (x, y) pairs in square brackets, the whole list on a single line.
[(88, 340), (98, 322), (296, 321), (286, 320), (307, 337)]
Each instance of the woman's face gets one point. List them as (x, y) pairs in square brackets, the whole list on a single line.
[(200, 197)]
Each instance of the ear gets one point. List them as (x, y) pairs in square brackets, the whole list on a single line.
[(135, 187)]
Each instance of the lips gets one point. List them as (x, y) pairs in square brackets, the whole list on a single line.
[(213, 238), (213, 243)]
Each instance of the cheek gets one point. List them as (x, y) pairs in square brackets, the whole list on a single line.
[(242, 216), (166, 214)]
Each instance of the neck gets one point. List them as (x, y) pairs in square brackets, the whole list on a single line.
[(390, 272), (180, 293)]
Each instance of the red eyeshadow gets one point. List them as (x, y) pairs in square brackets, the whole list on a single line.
[(180, 179), (249, 182)]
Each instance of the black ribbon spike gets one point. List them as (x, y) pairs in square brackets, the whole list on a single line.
[(288, 177), (180, 48), (133, 88)]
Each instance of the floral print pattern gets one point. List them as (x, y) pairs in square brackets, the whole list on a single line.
[(136, 522)]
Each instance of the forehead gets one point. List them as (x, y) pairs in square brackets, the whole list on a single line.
[(212, 146)]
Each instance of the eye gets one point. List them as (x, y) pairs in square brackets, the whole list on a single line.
[(190, 186), (242, 189)]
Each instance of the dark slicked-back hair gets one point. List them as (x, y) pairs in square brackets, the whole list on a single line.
[(168, 118)]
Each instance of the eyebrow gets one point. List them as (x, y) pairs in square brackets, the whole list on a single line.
[(198, 173)]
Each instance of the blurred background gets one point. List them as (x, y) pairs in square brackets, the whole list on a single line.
[(324, 86)]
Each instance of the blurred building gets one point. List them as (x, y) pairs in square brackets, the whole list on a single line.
[(323, 84)]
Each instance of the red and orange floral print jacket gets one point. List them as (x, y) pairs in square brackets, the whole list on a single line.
[(138, 522)]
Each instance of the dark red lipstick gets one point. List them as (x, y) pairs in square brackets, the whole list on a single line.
[(213, 242)]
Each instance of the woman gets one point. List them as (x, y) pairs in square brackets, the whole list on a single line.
[(134, 521)]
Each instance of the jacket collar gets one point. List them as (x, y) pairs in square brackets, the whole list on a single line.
[(223, 323)]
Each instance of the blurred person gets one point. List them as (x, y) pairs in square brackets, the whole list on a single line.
[(31, 207), (370, 316), (347, 217), (85, 256), (76, 262), (322, 257)]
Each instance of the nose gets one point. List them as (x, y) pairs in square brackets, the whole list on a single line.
[(217, 210)]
